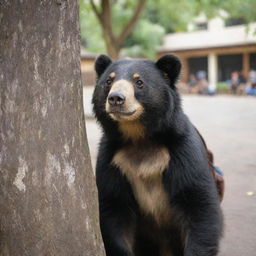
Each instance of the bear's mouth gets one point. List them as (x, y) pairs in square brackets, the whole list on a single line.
[(122, 113)]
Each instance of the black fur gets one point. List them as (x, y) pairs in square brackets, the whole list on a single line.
[(197, 224), (102, 63)]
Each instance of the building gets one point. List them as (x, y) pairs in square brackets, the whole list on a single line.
[(87, 67), (217, 47)]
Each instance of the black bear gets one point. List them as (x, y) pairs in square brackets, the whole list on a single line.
[(157, 194)]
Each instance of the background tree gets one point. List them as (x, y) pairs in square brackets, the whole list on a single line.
[(157, 18), (114, 36), (48, 200), (144, 40)]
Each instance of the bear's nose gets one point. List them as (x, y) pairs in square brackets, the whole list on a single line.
[(116, 99)]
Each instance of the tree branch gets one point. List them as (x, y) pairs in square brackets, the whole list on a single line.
[(130, 25), (96, 11), (107, 20)]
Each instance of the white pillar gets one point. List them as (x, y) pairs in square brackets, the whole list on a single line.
[(212, 69)]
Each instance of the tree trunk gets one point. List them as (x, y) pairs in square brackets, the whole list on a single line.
[(104, 14), (48, 200), (113, 49)]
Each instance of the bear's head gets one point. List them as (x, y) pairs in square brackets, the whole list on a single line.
[(136, 97)]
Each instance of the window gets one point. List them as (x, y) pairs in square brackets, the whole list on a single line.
[(234, 22), (201, 26)]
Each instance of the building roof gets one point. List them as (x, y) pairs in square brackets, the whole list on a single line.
[(216, 36), (87, 55)]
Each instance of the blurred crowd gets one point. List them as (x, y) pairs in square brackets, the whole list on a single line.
[(198, 84), (237, 84)]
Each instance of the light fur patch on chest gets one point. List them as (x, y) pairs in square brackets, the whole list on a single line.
[(143, 166), (133, 130)]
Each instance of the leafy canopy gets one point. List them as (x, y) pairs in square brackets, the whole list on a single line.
[(157, 19)]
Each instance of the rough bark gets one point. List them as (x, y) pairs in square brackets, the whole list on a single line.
[(48, 200)]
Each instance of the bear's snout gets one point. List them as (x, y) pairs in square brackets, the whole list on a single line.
[(116, 99), (121, 103)]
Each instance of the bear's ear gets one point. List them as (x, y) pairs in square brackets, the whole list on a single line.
[(171, 66), (101, 63)]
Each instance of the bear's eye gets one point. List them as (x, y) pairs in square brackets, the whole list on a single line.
[(139, 83), (109, 81)]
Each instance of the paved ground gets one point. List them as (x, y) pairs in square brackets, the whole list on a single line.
[(229, 126)]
